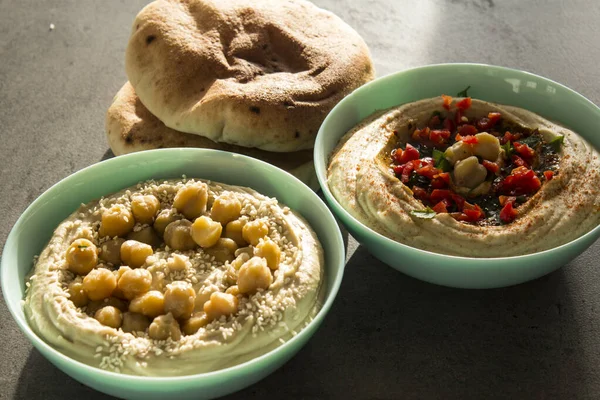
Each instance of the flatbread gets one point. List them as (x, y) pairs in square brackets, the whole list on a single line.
[(261, 73), (130, 127)]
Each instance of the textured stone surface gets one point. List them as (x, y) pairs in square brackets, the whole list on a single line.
[(388, 336)]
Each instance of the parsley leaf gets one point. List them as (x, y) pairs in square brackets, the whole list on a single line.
[(82, 246), (463, 93), (440, 161), (508, 149), (427, 213), (556, 143)]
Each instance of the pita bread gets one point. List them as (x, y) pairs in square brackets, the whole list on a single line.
[(130, 127), (258, 74)]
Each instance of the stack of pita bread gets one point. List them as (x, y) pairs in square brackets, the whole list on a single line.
[(252, 77)]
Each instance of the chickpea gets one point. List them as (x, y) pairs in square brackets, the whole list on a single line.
[(82, 256), (144, 208), (226, 208), (135, 282), (223, 250), (254, 275), (134, 322), (469, 173), (458, 151), (220, 304), (116, 221), (193, 325), (164, 327), (233, 231), (179, 299), (164, 218), (95, 305), (255, 230), (191, 200), (231, 275), (134, 253), (487, 146), (270, 251), (110, 251), (233, 290), (241, 259), (109, 316), (178, 262), (99, 284), (77, 295), (178, 235), (205, 231), (203, 296), (151, 304), (146, 235), (118, 274)]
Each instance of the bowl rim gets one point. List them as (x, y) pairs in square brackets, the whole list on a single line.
[(320, 160), (338, 251)]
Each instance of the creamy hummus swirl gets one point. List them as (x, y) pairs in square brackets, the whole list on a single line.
[(362, 181), (263, 320)]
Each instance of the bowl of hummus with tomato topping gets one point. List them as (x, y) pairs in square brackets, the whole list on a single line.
[(469, 176), (177, 272)]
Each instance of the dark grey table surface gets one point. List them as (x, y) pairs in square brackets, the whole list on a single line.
[(387, 336)]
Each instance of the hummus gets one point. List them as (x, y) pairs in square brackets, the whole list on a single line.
[(236, 295), (564, 205)]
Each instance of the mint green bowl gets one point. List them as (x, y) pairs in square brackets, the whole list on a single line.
[(34, 228), (496, 84)]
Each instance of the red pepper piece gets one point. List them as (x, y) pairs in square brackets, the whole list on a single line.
[(469, 139), (408, 154), (438, 195), (447, 101), (518, 161), (439, 136), (488, 123), (548, 175), (434, 121), (464, 104), (449, 125), (491, 166), (420, 193), (524, 151), (428, 171), (520, 181), (441, 207), (508, 213), (441, 181), (467, 130)]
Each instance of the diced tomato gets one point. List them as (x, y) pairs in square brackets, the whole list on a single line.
[(526, 152), (548, 175), (441, 181), (518, 161), (428, 171), (408, 154), (434, 121), (467, 130), (473, 214), (504, 199), (449, 125), (441, 207), (447, 101), (464, 104), (438, 195), (408, 169), (439, 136), (469, 139), (520, 181), (421, 134), (458, 200), (487, 123), (508, 213), (459, 216), (420, 193), (491, 166), (509, 137)]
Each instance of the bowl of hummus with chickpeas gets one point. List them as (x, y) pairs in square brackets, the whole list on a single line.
[(187, 263)]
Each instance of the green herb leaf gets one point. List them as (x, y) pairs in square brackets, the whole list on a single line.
[(427, 213), (440, 160), (463, 93), (557, 142), (82, 246), (508, 149), (531, 141)]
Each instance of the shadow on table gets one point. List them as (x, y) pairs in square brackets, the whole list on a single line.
[(108, 154), (390, 336), (40, 379)]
